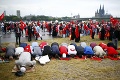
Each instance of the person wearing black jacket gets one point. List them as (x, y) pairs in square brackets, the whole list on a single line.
[(18, 33), (102, 33), (29, 32), (115, 36), (73, 32)]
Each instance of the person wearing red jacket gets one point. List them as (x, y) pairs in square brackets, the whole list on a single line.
[(111, 52), (77, 34), (63, 50)]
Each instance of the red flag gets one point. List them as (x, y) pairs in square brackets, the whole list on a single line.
[(113, 20), (23, 25), (2, 16)]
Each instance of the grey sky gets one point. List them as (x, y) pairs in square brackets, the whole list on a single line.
[(59, 8)]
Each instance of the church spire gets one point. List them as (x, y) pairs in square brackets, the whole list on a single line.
[(97, 10), (103, 10), (100, 6), (103, 7)]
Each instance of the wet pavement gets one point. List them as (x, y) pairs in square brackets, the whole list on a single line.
[(10, 37)]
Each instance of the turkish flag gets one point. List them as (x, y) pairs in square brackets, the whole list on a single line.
[(2, 16), (23, 25), (113, 20)]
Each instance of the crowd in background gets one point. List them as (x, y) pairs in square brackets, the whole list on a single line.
[(72, 29)]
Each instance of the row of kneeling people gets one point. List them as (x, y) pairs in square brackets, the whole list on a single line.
[(43, 52), (63, 50)]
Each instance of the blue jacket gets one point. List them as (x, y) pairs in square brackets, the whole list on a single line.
[(88, 50), (55, 49)]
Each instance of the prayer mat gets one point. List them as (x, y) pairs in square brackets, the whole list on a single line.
[(28, 69)]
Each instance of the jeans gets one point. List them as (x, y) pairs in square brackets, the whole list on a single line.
[(86, 32), (67, 33)]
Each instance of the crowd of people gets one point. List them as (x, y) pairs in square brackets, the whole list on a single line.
[(72, 29)]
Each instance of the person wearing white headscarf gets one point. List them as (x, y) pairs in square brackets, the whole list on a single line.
[(71, 50), (98, 51), (19, 50)]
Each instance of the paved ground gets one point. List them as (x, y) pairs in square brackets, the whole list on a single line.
[(10, 37)]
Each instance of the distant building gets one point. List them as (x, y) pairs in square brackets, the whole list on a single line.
[(18, 13), (101, 13), (76, 16), (28, 17)]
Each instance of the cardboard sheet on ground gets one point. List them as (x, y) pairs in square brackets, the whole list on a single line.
[(28, 70)]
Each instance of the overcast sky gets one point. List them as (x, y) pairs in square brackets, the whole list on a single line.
[(59, 8)]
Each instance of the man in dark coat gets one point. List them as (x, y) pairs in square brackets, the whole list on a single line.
[(18, 33), (50, 28), (115, 36), (73, 32), (102, 33), (54, 31), (29, 32)]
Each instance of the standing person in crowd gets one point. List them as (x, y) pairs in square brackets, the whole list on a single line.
[(115, 36), (5, 27), (29, 32), (73, 32), (111, 33), (54, 31), (102, 37), (18, 33), (50, 28), (2, 26), (33, 28), (60, 29), (77, 34), (93, 31), (42, 26), (37, 32), (67, 28), (86, 30)]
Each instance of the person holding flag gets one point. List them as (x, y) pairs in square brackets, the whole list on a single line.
[(22, 26)]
